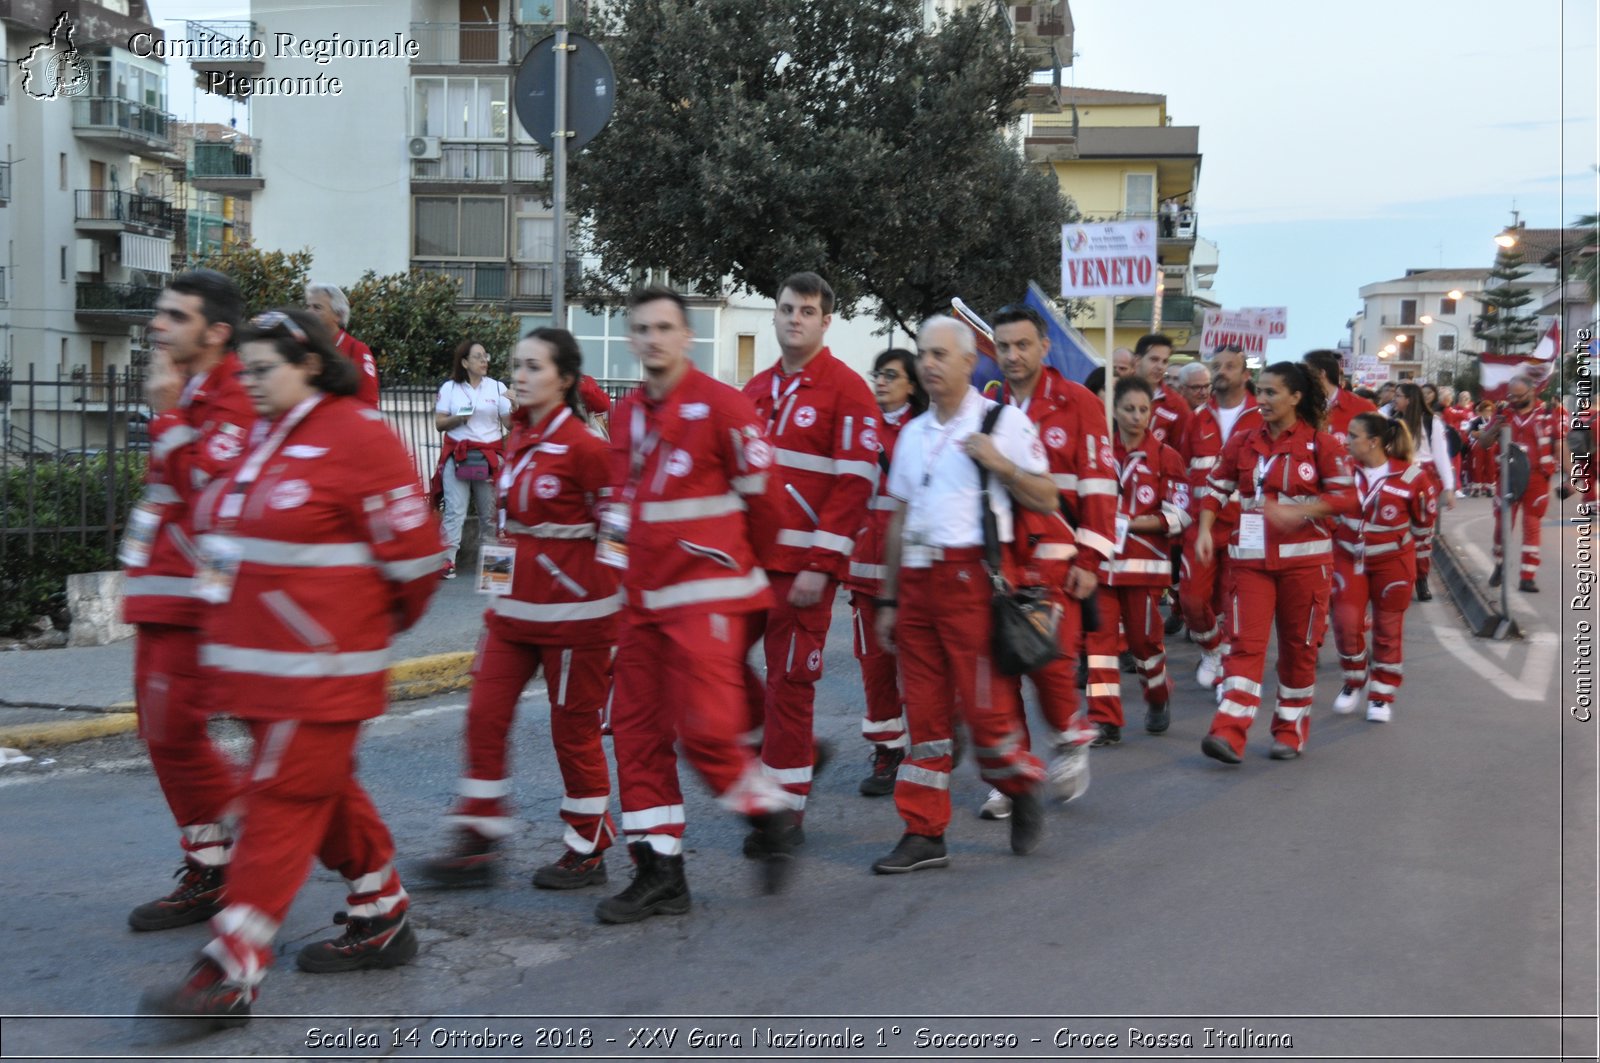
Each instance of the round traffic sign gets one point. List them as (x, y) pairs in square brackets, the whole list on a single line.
[(591, 91)]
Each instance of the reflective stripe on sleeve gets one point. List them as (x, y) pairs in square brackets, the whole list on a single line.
[(302, 555), (159, 586), (1097, 485), (172, 439), (753, 484), (546, 613), (161, 494), (1093, 540), (690, 509), (694, 592), (549, 530), (799, 459), (1055, 552), (867, 470), (864, 571), (840, 544), (1064, 481)]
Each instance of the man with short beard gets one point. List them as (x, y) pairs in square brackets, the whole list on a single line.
[(1531, 431)]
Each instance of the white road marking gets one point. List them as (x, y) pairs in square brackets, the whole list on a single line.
[(1529, 684)]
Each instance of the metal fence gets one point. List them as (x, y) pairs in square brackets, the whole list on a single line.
[(71, 459)]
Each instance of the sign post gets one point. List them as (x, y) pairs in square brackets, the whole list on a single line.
[(1109, 259)]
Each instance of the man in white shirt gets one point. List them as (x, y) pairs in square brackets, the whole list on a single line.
[(935, 609)]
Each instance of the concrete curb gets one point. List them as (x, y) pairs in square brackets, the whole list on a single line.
[(1481, 612), (413, 678)]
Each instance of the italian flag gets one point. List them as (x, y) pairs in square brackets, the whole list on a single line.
[(1498, 369)]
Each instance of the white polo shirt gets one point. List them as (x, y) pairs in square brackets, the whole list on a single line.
[(936, 479), (483, 406)]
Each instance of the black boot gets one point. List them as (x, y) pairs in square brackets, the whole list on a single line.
[(774, 836), (885, 762), (1496, 576), (658, 888), (1424, 592)]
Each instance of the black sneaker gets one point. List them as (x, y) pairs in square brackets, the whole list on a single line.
[(658, 888), (755, 843), (1027, 821), (473, 861), (376, 941), (1174, 622), (1107, 734), (776, 835), (1424, 592), (1284, 751), (1157, 718), (885, 762), (1217, 748), (914, 852), (203, 994), (1497, 576), (1527, 586), (572, 871), (197, 898)]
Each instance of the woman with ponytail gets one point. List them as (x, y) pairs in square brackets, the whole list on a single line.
[(555, 607), (1291, 477), (1432, 456), (1374, 563)]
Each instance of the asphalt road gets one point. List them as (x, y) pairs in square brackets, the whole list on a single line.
[(1425, 888)]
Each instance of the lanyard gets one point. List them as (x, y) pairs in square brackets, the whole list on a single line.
[(189, 389), (232, 503), (1263, 470), (777, 400), (643, 446), (508, 475), (938, 449)]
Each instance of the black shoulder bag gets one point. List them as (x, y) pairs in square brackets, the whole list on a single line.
[(1026, 619)]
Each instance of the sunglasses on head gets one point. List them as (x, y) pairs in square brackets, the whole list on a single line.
[(277, 319)]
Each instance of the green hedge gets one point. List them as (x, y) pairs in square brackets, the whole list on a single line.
[(66, 494)]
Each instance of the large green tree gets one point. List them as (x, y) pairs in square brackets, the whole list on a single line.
[(1503, 326), (753, 138), (266, 279), (413, 324)]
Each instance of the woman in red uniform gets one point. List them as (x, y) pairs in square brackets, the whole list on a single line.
[(560, 615), (900, 397), (1152, 511), (316, 550), (1291, 477), (1374, 560)]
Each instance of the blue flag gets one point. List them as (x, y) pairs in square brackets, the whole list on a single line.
[(1070, 354)]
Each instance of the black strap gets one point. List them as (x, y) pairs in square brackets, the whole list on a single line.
[(991, 530)]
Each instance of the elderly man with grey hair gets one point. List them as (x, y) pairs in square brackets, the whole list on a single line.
[(332, 308), (934, 612), (1194, 384)]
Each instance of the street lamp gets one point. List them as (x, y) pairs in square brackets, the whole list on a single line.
[(1455, 362)]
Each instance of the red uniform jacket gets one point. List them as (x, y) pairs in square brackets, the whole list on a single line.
[(1071, 425), (1205, 448), (1152, 481), (1302, 465), (361, 355), (190, 444), (866, 563), (1170, 416), (698, 502), (1533, 432), (1344, 405), (1394, 512), (595, 399), (338, 551), (549, 489), (823, 426)]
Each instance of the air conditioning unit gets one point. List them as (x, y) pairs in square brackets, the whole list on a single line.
[(423, 147)]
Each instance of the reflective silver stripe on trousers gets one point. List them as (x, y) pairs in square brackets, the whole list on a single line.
[(1310, 549), (483, 788), (416, 568), (159, 586), (705, 590), (647, 818), (928, 750), (585, 806), (1145, 565), (544, 613), (863, 571), (280, 664), (551, 531), (690, 509), (1296, 693), (1239, 682), (936, 780)]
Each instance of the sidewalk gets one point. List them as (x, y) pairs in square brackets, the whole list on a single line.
[(48, 697), (1469, 528)]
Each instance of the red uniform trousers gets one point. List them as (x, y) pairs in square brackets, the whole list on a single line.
[(1424, 551), (1057, 682), (197, 780), (942, 633), (301, 799), (578, 679), (1386, 586), (682, 677), (1202, 588), (1297, 599), (1531, 508), (1483, 466), (884, 723), (1138, 609), (781, 712)]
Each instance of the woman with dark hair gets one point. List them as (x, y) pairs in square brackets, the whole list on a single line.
[(557, 611), (1291, 478), (472, 412), (315, 551), (900, 397), (1152, 510), (1375, 561), (1432, 454)]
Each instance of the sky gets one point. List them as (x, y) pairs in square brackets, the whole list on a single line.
[(1341, 143)]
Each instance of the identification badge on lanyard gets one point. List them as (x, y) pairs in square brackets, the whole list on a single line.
[(1122, 531), (1359, 557), (1252, 531), (611, 546), (140, 536), (220, 557), (497, 566)]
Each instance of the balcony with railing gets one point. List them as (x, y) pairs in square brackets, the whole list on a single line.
[(124, 125), (1175, 310), (98, 300), (524, 285), (495, 163), (226, 46), (229, 163), (110, 210), (462, 43)]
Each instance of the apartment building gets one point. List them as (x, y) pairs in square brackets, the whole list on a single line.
[(1417, 326)]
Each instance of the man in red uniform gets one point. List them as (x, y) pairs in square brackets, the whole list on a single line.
[(1070, 544), (202, 421), (1530, 431), (688, 504), (820, 419), (1170, 414), (1342, 403), (331, 306), (597, 402), (1202, 586)]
